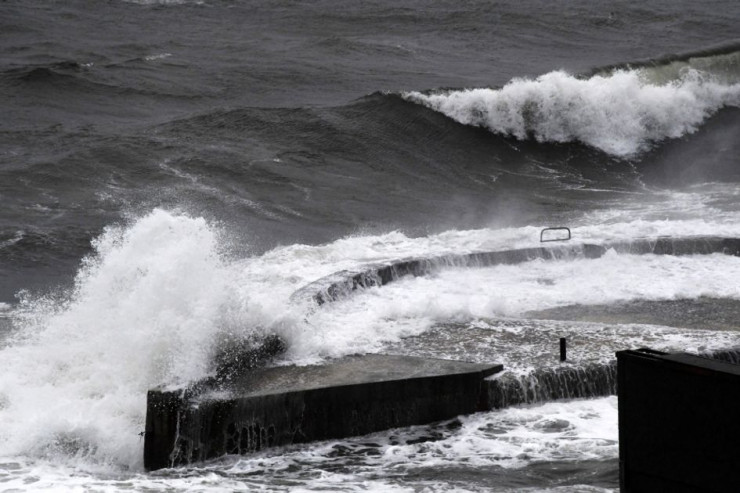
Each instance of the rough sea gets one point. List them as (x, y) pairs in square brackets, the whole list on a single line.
[(171, 172)]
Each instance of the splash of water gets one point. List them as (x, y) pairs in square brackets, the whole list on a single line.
[(145, 310)]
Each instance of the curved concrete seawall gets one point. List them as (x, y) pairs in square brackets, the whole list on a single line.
[(342, 284)]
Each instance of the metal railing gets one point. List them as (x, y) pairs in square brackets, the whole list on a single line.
[(558, 228)]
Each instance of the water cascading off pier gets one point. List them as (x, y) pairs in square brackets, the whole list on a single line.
[(256, 408)]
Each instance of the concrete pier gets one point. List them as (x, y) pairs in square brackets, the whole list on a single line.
[(286, 405), (362, 394)]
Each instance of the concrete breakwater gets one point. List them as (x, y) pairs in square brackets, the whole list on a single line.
[(269, 407), (342, 284), (285, 405), (248, 408)]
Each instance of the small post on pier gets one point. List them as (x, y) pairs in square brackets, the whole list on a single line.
[(562, 349)]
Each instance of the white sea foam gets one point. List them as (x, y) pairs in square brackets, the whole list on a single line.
[(620, 113), (517, 437), (510, 439), (148, 307), (12, 241), (410, 306)]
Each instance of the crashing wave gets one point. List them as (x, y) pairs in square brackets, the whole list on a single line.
[(621, 112)]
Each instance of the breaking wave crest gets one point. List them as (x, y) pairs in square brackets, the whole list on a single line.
[(622, 113)]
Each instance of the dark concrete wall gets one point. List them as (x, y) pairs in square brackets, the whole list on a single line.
[(679, 425), (163, 411), (184, 426)]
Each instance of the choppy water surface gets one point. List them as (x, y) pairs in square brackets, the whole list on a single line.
[(173, 175)]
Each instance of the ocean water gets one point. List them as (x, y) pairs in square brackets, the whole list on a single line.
[(172, 172)]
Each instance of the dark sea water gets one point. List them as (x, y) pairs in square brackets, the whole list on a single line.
[(172, 171)]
